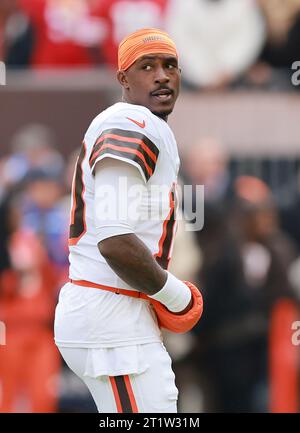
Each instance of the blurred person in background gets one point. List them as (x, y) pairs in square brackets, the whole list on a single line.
[(252, 269), (29, 362), (290, 215), (33, 147), (267, 257), (281, 48), (206, 163), (16, 34), (218, 40), (43, 213), (38, 166), (244, 271), (267, 250)]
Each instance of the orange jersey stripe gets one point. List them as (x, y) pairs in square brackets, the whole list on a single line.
[(129, 140), (125, 150)]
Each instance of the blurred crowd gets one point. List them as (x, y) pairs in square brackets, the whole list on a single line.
[(222, 43), (33, 266), (246, 259), (240, 357)]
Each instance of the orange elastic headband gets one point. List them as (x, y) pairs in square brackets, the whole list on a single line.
[(142, 42)]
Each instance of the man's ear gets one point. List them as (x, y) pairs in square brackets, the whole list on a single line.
[(122, 78)]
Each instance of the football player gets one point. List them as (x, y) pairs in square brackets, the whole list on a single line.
[(120, 294)]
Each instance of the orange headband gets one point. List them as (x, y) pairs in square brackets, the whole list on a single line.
[(142, 42)]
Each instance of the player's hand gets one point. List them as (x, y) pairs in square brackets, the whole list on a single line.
[(184, 320), (187, 308)]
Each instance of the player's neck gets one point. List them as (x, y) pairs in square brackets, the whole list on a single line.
[(165, 118), (160, 115)]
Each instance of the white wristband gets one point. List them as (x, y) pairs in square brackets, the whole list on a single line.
[(175, 295)]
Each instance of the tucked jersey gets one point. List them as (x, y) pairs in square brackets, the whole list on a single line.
[(132, 134)]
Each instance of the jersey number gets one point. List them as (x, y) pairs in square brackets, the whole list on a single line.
[(78, 224)]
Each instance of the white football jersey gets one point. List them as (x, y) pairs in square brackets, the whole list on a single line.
[(130, 133)]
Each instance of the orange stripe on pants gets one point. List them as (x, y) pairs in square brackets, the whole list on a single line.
[(131, 395)]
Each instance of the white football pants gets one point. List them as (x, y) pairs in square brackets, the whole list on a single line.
[(152, 390)]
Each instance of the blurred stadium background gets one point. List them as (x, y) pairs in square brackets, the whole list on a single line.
[(237, 126)]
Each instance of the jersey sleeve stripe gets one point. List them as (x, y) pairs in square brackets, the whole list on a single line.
[(134, 135), (139, 141), (129, 153), (119, 146), (139, 144), (130, 145)]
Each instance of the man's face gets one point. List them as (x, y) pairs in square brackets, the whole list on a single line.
[(152, 81)]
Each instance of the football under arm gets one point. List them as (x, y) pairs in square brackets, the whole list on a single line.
[(123, 250)]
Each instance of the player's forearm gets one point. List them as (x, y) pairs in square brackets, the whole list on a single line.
[(133, 262)]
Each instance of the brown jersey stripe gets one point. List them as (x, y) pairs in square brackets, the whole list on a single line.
[(116, 394), (133, 153), (125, 139), (123, 394), (129, 154), (149, 156), (148, 161), (132, 134)]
